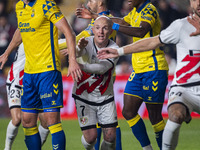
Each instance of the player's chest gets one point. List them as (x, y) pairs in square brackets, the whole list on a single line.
[(30, 18)]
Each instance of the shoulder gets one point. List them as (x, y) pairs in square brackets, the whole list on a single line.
[(19, 5), (112, 44)]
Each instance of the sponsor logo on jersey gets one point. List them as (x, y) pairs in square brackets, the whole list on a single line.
[(46, 95), (145, 87)]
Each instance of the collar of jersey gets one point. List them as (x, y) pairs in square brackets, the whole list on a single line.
[(145, 3), (31, 3), (105, 12)]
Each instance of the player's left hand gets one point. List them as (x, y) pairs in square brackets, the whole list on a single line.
[(195, 21), (107, 53), (74, 70), (82, 43)]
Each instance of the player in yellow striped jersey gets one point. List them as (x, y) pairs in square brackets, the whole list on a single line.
[(99, 7), (148, 81)]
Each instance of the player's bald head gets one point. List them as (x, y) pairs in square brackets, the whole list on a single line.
[(105, 20)]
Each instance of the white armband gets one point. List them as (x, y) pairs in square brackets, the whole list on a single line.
[(120, 51)]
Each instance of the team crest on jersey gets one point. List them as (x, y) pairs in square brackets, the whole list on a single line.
[(15, 101), (33, 13), (84, 120)]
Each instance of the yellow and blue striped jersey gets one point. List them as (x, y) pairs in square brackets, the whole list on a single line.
[(39, 34), (88, 31), (149, 60)]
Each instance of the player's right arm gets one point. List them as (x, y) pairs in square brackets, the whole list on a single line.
[(15, 42), (139, 46)]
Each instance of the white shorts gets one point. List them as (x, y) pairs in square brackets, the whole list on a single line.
[(14, 95), (189, 96), (89, 115)]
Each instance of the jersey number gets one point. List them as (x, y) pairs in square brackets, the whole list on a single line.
[(12, 92)]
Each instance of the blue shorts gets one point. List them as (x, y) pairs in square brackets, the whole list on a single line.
[(149, 86), (42, 91)]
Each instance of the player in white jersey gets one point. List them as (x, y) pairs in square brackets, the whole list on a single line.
[(184, 94), (13, 87), (93, 94)]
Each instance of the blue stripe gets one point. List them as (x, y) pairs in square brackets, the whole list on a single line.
[(105, 12), (154, 53), (143, 5), (52, 45)]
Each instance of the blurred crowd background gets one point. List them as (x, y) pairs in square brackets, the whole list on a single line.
[(169, 10)]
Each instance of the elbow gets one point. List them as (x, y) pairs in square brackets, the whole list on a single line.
[(101, 72)]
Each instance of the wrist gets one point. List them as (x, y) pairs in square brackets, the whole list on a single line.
[(120, 51), (115, 26)]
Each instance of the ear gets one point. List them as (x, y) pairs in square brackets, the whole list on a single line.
[(100, 3)]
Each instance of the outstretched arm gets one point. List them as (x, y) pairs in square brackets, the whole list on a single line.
[(139, 46), (15, 42), (195, 21), (74, 68)]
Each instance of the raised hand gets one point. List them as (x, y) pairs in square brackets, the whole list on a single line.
[(107, 53), (83, 13), (195, 21), (82, 43)]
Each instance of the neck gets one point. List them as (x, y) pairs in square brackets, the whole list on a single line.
[(102, 45), (26, 1), (139, 5)]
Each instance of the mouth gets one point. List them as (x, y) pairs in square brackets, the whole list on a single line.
[(101, 37)]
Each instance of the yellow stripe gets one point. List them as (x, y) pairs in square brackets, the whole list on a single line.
[(133, 121), (118, 126), (55, 128), (30, 131), (133, 95), (98, 126), (159, 126)]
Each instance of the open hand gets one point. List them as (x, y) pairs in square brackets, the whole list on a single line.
[(82, 43), (107, 53), (83, 13), (195, 21)]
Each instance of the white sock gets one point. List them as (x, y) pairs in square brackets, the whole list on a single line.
[(107, 145), (10, 135), (148, 147), (43, 133), (87, 145), (170, 135)]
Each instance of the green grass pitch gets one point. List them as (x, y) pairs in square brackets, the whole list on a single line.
[(188, 139)]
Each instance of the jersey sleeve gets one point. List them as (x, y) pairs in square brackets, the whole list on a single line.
[(127, 18), (52, 11), (171, 34), (149, 15)]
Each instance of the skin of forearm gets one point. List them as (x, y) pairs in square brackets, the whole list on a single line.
[(15, 42), (118, 20), (143, 45), (133, 31)]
